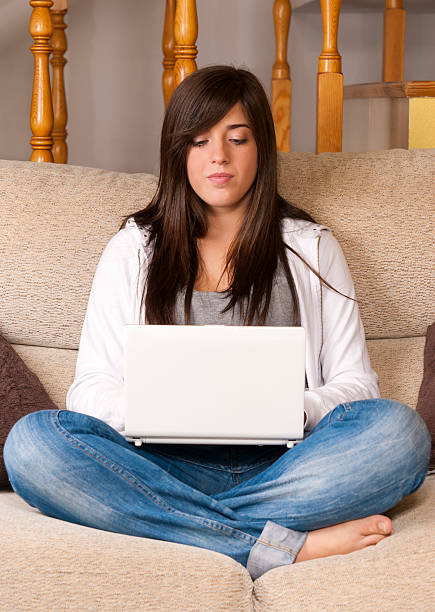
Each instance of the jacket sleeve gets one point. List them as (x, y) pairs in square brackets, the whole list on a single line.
[(97, 389), (345, 365)]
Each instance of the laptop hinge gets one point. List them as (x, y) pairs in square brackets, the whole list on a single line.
[(138, 441)]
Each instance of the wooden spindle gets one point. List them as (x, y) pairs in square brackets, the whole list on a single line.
[(330, 83), (281, 82), (41, 109), (186, 33), (168, 47), (58, 61), (394, 41)]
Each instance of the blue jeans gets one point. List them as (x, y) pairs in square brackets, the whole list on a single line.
[(255, 504)]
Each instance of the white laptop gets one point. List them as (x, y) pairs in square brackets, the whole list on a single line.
[(214, 384)]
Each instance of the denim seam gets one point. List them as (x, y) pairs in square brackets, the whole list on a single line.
[(130, 479), (283, 548), (347, 406), (104, 461)]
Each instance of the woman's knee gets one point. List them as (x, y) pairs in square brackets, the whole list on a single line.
[(396, 417), (42, 443), (398, 425), (24, 448)]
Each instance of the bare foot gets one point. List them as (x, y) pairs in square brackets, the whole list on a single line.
[(345, 537)]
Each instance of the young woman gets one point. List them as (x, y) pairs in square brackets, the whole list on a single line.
[(218, 245)]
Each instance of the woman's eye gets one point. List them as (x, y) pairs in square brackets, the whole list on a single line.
[(198, 143), (235, 141)]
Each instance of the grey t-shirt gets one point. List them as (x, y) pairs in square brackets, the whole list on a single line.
[(206, 306)]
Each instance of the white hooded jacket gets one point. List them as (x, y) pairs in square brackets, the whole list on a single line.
[(337, 363)]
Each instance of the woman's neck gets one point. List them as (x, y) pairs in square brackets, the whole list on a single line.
[(223, 226)]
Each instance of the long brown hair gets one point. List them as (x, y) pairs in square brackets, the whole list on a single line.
[(176, 217)]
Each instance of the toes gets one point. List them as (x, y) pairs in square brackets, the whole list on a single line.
[(374, 538), (378, 524)]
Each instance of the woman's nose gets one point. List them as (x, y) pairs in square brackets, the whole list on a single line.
[(219, 153)]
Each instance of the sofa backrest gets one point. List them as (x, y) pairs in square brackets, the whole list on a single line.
[(381, 208), (56, 220)]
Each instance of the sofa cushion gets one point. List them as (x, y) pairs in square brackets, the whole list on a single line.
[(21, 392), (50, 564), (396, 574), (100, 570), (426, 396)]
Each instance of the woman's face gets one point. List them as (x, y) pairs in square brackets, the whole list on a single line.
[(222, 162)]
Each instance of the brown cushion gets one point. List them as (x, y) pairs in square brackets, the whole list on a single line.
[(426, 396), (21, 392)]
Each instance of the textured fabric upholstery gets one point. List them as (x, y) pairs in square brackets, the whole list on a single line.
[(399, 363), (396, 574), (380, 207), (62, 216), (52, 565), (53, 230), (54, 368), (49, 561)]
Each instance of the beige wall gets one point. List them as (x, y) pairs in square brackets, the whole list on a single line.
[(113, 75)]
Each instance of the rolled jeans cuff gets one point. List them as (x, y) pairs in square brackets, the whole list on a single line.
[(276, 546)]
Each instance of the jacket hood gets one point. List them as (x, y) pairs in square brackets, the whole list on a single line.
[(302, 228)]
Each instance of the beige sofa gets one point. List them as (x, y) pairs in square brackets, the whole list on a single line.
[(55, 221)]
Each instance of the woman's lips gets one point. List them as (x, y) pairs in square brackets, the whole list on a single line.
[(220, 178)]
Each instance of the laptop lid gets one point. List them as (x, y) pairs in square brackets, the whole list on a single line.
[(214, 384)]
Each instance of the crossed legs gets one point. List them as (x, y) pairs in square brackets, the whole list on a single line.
[(324, 496)]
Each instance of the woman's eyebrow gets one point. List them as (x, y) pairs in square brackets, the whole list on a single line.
[(234, 126)]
